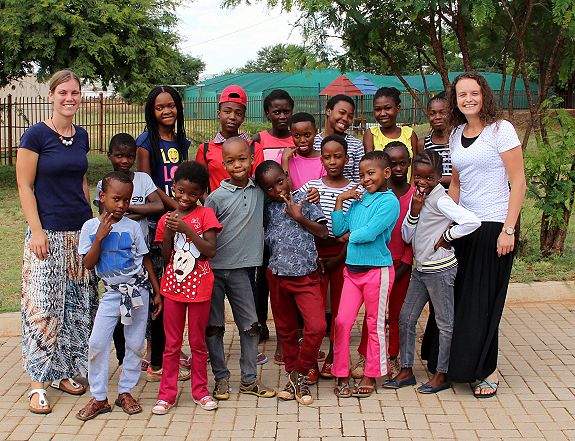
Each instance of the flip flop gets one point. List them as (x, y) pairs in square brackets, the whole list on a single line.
[(76, 389), (42, 401), (356, 392), (339, 390), (279, 359), (485, 385)]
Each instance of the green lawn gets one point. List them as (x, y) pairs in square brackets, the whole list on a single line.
[(529, 265)]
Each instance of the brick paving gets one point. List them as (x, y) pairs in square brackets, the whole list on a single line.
[(536, 399)]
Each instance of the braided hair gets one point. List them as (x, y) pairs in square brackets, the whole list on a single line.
[(152, 126), (430, 157)]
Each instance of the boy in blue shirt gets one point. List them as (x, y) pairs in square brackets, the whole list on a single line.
[(115, 246)]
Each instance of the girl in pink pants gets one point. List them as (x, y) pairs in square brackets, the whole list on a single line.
[(369, 274)]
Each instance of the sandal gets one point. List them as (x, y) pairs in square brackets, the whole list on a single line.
[(145, 364), (357, 368), (185, 361), (93, 409), (325, 371), (485, 385), (42, 401), (75, 389), (279, 359), (340, 390), (128, 403), (363, 391)]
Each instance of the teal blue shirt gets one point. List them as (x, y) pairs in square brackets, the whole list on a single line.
[(370, 222)]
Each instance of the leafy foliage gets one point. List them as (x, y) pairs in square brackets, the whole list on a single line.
[(128, 43)]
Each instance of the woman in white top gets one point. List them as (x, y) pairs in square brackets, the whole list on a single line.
[(489, 180)]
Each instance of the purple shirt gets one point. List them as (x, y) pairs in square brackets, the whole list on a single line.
[(62, 205)]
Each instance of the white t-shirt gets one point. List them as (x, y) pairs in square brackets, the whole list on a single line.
[(143, 187), (483, 180)]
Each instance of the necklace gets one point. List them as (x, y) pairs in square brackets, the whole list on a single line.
[(67, 142)]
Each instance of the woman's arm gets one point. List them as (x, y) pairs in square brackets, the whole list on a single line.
[(513, 162), (85, 188), (454, 186), (26, 166), (368, 141)]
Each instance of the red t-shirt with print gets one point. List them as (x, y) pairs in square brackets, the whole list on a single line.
[(188, 276)]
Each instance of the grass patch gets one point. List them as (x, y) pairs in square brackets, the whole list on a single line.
[(529, 265)]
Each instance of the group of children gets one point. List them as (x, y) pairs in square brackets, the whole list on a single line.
[(307, 217)]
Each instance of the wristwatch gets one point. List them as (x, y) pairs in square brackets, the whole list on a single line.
[(509, 230)]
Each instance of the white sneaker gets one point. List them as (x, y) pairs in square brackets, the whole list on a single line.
[(161, 408), (207, 403)]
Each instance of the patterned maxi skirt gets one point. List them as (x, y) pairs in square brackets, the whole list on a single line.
[(59, 303)]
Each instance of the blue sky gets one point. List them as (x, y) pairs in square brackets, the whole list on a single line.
[(203, 26)]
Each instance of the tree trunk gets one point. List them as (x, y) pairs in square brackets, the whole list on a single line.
[(461, 35)]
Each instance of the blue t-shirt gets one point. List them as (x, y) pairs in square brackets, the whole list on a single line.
[(62, 205), (171, 158), (292, 247), (121, 252)]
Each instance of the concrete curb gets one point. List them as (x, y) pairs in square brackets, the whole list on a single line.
[(10, 325)]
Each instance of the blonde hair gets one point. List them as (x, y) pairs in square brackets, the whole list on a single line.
[(61, 77)]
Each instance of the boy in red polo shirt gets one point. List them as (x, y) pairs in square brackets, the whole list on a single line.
[(231, 113)]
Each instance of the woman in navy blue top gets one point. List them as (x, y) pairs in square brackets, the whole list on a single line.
[(59, 296)]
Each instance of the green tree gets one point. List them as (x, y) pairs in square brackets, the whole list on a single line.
[(130, 44), (282, 58)]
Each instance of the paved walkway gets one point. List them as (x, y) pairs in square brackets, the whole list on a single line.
[(536, 399)]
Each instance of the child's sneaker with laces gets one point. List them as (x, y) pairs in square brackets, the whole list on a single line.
[(301, 388), (258, 389), (161, 407), (287, 393), (207, 403)]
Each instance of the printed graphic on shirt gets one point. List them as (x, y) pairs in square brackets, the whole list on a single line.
[(115, 253)]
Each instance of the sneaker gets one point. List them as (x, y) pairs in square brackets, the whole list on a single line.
[(358, 367), (258, 389), (261, 359), (300, 387), (207, 403), (394, 367), (312, 376), (161, 407), (222, 389), (287, 393), (153, 376)]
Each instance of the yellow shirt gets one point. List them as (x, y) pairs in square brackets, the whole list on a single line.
[(380, 141)]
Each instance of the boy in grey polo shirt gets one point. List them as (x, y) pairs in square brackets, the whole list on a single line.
[(238, 205)]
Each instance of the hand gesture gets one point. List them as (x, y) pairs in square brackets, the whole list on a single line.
[(352, 193), (105, 226), (442, 243), (312, 195), (344, 238), (417, 202), (174, 223), (288, 153), (293, 209), (158, 306), (39, 244)]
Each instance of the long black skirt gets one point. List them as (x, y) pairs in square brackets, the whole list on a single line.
[(479, 293)]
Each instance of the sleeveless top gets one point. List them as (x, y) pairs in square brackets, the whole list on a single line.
[(444, 152), (273, 146), (380, 140)]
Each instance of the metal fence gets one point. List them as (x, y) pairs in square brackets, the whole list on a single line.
[(103, 117)]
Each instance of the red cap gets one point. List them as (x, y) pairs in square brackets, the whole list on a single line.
[(234, 94)]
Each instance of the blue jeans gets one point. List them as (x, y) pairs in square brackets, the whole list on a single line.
[(235, 283), (107, 317), (424, 287)]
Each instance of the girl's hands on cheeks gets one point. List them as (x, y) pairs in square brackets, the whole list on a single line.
[(105, 226), (39, 244), (505, 243)]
